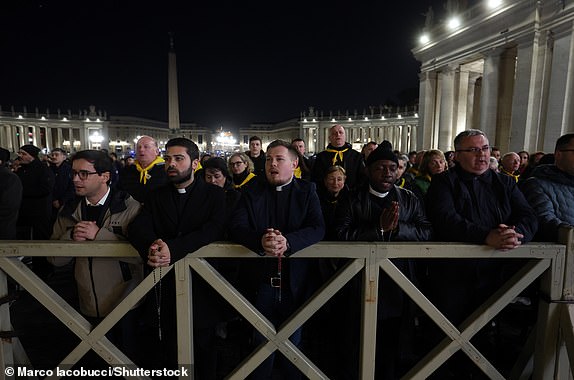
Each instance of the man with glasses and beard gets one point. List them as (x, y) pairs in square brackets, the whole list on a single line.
[(179, 218)]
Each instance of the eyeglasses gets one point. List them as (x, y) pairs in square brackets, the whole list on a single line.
[(475, 150), (237, 163), (83, 174)]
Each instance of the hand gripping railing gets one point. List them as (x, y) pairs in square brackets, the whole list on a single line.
[(545, 356)]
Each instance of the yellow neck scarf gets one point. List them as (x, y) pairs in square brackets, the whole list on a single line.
[(297, 172), (247, 179), (144, 176), (338, 154), (515, 176)]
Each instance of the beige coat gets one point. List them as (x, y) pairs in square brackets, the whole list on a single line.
[(113, 279)]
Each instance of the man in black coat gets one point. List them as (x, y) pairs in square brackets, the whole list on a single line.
[(178, 219), (63, 186), (147, 173), (278, 218), (10, 198), (339, 152), (384, 212), (473, 204)]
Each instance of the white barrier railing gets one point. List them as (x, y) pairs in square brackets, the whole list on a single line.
[(549, 355)]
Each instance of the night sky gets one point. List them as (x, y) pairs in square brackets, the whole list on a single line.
[(239, 62)]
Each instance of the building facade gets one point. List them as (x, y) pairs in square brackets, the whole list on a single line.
[(89, 129), (506, 67)]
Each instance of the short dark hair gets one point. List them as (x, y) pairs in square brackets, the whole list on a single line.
[(253, 138), (216, 163), (563, 141), (58, 150), (101, 161), (297, 140), (190, 146), (467, 133), (284, 143)]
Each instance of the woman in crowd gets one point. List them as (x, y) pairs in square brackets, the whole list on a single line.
[(433, 162), (241, 167), (335, 191)]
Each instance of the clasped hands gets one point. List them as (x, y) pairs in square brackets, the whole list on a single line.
[(158, 254), (389, 219), (274, 243), (85, 230), (504, 237)]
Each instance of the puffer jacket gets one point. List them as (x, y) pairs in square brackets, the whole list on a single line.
[(550, 192), (102, 282)]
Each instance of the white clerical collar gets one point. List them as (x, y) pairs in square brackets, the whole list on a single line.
[(101, 202), (376, 193), (280, 188), (181, 191)]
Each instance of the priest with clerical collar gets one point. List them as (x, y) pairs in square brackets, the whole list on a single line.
[(380, 212), (177, 219), (278, 218)]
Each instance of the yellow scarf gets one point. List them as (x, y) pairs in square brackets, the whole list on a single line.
[(338, 154), (297, 172), (144, 176), (515, 176), (247, 179), (198, 167)]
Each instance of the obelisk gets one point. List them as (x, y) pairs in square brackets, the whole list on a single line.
[(172, 89)]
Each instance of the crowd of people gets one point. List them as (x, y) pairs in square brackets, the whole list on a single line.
[(277, 203)]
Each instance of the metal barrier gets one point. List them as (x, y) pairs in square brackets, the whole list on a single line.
[(548, 354)]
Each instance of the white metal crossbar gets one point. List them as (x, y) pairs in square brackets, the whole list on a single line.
[(555, 323)]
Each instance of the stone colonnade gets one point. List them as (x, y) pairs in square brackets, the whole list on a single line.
[(509, 72)]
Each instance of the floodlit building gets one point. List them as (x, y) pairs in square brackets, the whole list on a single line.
[(506, 67)]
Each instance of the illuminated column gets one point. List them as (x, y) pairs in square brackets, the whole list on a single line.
[(489, 95), (428, 89), (526, 101), (447, 107), (413, 138), (404, 138), (558, 112), (461, 104)]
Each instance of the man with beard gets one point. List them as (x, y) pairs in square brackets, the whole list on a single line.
[(147, 172), (177, 219), (383, 212), (341, 153), (278, 218)]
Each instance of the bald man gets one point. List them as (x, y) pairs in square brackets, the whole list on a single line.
[(147, 172)]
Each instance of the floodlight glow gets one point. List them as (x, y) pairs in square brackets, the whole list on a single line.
[(453, 23), (494, 3), (424, 39), (333, 120)]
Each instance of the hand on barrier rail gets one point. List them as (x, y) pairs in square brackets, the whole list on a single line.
[(504, 237), (158, 254)]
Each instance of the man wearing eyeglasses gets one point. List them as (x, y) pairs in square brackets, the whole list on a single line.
[(471, 203), (550, 190), (100, 213)]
